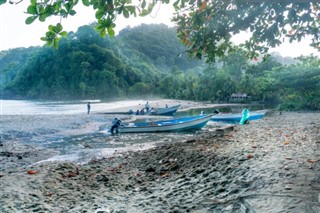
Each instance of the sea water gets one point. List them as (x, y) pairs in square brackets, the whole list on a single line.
[(25, 107)]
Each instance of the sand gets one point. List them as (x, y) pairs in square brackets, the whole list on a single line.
[(269, 165)]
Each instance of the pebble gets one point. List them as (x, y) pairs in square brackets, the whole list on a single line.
[(288, 188)]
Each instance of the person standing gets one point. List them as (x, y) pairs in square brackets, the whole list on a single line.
[(88, 107), (245, 117), (147, 106), (115, 125)]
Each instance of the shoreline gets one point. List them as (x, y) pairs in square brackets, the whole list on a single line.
[(269, 165)]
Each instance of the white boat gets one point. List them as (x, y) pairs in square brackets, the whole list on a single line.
[(178, 124), (165, 111)]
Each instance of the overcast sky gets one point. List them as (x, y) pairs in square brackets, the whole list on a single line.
[(15, 33)]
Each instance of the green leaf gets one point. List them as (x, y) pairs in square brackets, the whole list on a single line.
[(59, 26), (55, 29), (144, 13), (103, 33), (56, 43), (50, 28), (30, 19), (99, 14), (3, 2), (120, 9), (68, 6), (43, 17), (63, 33), (32, 9), (50, 34), (49, 42), (143, 4), (131, 9), (72, 12), (125, 13), (175, 5), (111, 31), (150, 7), (99, 27), (63, 13), (86, 2)]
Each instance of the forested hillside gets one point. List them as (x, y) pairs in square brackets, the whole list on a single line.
[(88, 66), (160, 44), (147, 61), (11, 62)]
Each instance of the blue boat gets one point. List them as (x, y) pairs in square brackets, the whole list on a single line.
[(236, 117), (178, 124)]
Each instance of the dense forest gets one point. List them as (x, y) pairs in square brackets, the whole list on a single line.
[(148, 60)]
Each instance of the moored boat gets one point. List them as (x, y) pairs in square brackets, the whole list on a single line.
[(165, 111), (179, 124), (236, 117)]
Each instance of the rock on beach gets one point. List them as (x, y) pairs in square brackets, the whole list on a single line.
[(209, 172)]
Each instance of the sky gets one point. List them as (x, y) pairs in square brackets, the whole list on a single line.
[(15, 33)]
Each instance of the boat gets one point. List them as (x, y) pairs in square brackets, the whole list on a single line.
[(236, 117), (179, 124), (165, 111)]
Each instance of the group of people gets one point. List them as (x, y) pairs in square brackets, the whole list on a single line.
[(145, 110), (116, 123)]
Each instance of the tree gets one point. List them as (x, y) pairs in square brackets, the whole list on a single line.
[(206, 27)]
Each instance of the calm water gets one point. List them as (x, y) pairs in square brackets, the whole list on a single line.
[(15, 107)]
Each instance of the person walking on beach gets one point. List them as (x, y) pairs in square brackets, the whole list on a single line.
[(88, 107)]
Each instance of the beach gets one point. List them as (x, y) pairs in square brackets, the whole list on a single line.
[(268, 165)]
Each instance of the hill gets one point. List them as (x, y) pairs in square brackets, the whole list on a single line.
[(88, 66)]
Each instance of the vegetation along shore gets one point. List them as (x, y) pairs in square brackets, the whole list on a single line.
[(87, 66)]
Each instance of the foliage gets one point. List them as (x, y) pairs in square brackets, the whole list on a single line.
[(300, 84), (88, 66), (159, 44), (12, 61), (206, 27)]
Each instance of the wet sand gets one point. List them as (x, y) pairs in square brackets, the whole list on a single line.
[(269, 165)]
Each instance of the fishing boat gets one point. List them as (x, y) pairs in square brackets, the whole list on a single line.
[(178, 124), (236, 117), (165, 111)]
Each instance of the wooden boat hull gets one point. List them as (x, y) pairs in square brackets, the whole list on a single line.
[(254, 115), (180, 124)]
